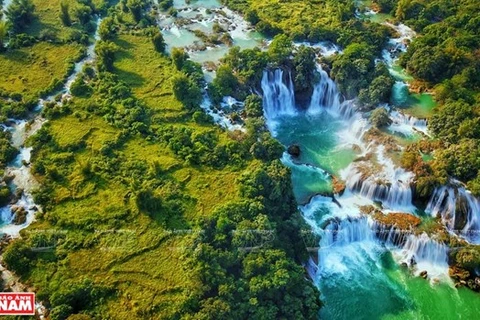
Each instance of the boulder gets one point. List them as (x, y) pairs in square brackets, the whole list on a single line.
[(20, 215), (294, 150), (16, 195), (461, 212), (424, 274), (338, 186)]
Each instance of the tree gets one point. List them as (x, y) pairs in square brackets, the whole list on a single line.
[(179, 57), (452, 118), (135, 7), (379, 118), (79, 88), (105, 51), (353, 70), (165, 4), (158, 42), (83, 14), (429, 63), (305, 69), (65, 14), (280, 49), (20, 13), (225, 82), (18, 257), (186, 91), (3, 34), (253, 106), (379, 91), (267, 148), (107, 29)]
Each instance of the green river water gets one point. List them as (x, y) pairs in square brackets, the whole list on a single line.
[(361, 280)]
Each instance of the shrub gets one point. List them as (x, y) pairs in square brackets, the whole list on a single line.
[(379, 118)]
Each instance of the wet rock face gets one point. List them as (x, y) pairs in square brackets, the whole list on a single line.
[(338, 186), (4, 241), (424, 274), (294, 150), (461, 212), (20, 215)]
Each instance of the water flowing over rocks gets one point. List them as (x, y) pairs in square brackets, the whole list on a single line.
[(458, 209), (21, 211)]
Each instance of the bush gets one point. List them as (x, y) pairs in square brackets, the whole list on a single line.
[(158, 42), (20, 13), (253, 106), (65, 14), (379, 118), (18, 257), (187, 91), (79, 88), (107, 29), (105, 51)]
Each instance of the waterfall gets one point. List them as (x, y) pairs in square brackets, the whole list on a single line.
[(390, 185), (459, 210), (424, 254), (278, 94), (346, 236), (407, 124), (326, 96), (348, 231), (425, 250), (396, 194), (311, 268)]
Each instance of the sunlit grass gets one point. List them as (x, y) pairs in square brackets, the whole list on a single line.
[(31, 70)]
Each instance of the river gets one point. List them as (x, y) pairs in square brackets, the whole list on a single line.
[(360, 275)]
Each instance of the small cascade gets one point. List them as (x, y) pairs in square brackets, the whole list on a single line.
[(347, 243), (419, 252), (459, 210), (311, 268), (391, 187), (327, 97), (278, 93), (305, 167), (19, 168), (425, 255), (400, 93), (348, 231), (406, 124), (219, 116)]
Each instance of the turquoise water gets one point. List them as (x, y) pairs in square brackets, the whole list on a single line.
[(419, 105), (362, 279), (318, 138), (177, 31)]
